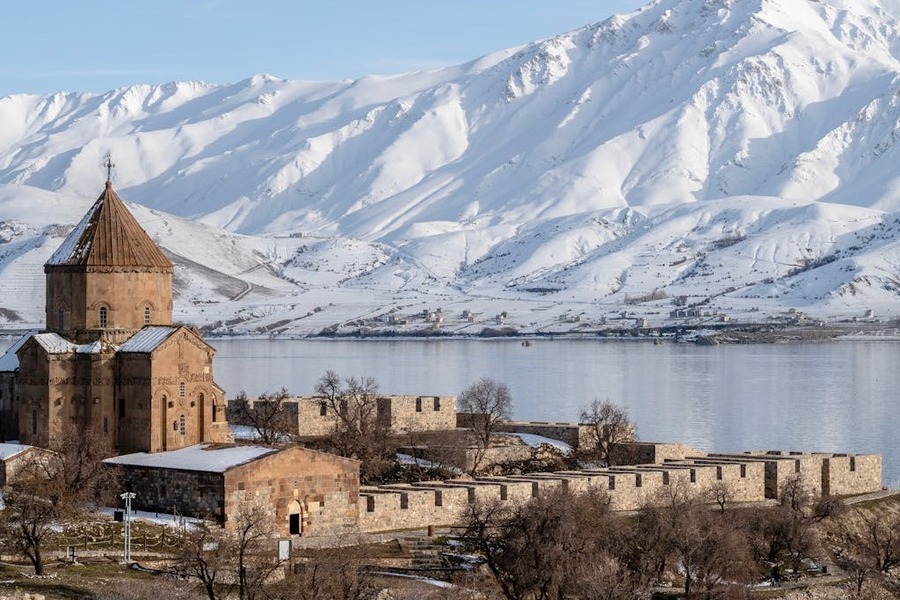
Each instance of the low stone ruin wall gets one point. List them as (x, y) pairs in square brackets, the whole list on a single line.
[(745, 477)]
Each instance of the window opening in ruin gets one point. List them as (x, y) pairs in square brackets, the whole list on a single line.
[(181, 390), (146, 315), (852, 464), (182, 425), (105, 424), (418, 405), (174, 425), (215, 413), (295, 524), (121, 407), (323, 408), (62, 319), (437, 403), (34, 422), (104, 317)]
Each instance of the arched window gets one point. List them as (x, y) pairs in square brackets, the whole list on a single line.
[(182, 424), (146, 315), (181, 390), (104, 317)]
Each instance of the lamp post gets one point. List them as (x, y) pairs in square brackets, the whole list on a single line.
[(127, 497)]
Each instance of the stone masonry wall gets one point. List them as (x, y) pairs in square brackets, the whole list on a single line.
[(747, 477), (843, 475), (782, 466), (400, 414), (192, 493), (403, 414), (323, 489)]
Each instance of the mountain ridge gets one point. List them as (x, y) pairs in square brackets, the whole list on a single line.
[(533, 168)]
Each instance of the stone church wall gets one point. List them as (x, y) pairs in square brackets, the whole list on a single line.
[(74, 297), (167, 491), (324, 488)]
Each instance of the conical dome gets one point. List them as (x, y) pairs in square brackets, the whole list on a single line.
[(109, 236), (108, 278)]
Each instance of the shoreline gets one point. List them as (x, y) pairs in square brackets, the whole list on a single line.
[(700, 334)]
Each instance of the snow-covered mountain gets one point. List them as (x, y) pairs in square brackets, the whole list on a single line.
[(738, 154)]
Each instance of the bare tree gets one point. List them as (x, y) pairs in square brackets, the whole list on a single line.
[(609, 427), (205, 555), (328, 574), (272, 416), (488, 402), (252, 533), (558, 545), (357, 431), (712, 554), (243, 553), (869, 544), (721, 493), (53, 486)]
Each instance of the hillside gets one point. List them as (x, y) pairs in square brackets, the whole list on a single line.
[(740, 156)]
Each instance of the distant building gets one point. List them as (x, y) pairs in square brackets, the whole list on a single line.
[(13, 457), (684, 313)]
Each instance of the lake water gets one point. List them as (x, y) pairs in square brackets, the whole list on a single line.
[(828, 397)]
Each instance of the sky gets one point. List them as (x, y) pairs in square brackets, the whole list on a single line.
[(94, 46)]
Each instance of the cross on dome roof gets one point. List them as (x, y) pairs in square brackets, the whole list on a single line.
[(109, 236)]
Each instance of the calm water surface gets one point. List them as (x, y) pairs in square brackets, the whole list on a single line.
[(829, 397)]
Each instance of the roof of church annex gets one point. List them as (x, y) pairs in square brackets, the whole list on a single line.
[(109, 236), (209, 458), (149, 338)]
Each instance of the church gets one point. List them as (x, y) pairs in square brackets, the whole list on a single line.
[(110, 358)]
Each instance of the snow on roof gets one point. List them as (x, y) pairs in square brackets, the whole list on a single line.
[(147, 339), (9, 361), (10, 449), (109, 235), (54, 343), (67, 249), (201, 457)]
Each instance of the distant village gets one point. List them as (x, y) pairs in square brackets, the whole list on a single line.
[(691, 324)]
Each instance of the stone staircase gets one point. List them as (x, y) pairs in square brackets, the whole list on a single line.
[(424, 554)]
